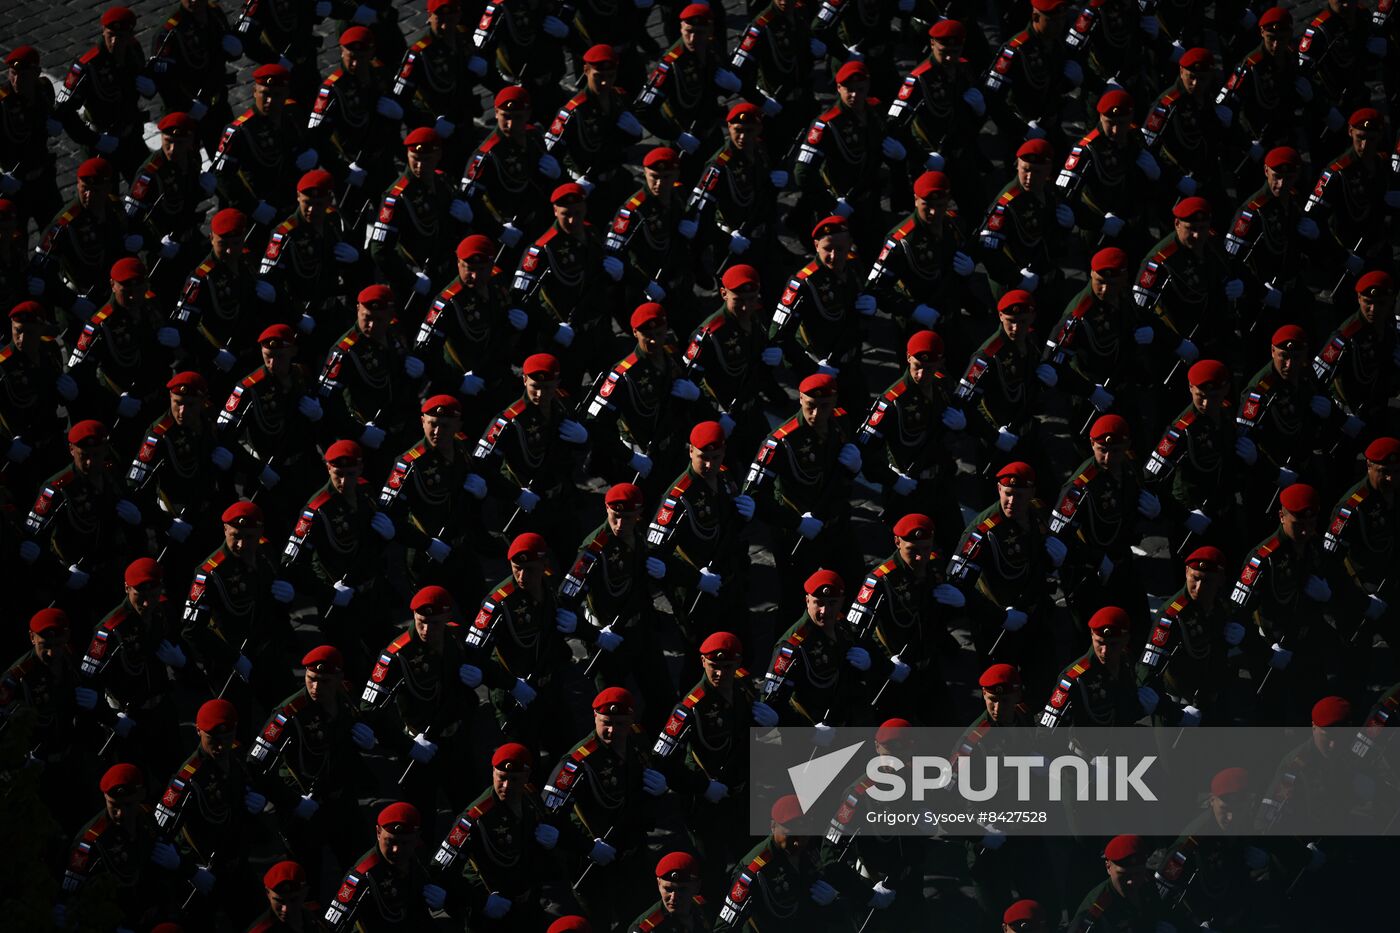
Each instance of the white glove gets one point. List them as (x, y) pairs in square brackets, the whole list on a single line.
[(963, 264), (1029, 280), (571, 432), (629, 124), (133, 242), (1246, 451), (1392, 198), (1280, 658), (28, 551), (744, 505), (179, 530), (1233, 632), (688, 142), (1335, 120), (821, 892), (1187, 350), (254, 802), (438, 550), (127, 405), (1015, 620), (738, 243), (1064, 216), (517, 318), (810, 526), (203, 880), (372, 435), (1354, 263), (363, 736), (1034, 130), (498, 906), (1147, 699), (269, 477), (306, 323), (640, 464), (1072, 72), (355, 176), (687, 228), (470, 676), (345, 253), (563, 335), (1101, 398), (19, 452), (413, 367), (1186, 186), (613, 267), (166, 856), (309, 408), (1055, 550), (1197, 522), (709, 581), (460, 210), (147, 89), (198, 109), (946, 594), (1286, 477), (282, 591), (306, 807), (548, 166), (170, 654), (715, 792), (1234, 288), (685, 390), (866, 305), (1006, 440), (66, 387), (1149, 26), (1320, 405), (223, 360), (858, 658), (656, 568), (608, 640), (899, 671), (727, 80), (843, 208), (779, 179), (168, 247), (221, 457), (77, 578), (263, 289), (953, 419), (1376, 45), (1224, 114), (36, 286), (934, 162), (1190, 716), (653, 782), (1375, 607), (306, 160), (207, 182), (1255, 858), (601, 853), (364, 15), (565, 622), (772, 356), (726, 424), (1149, 506), (85, 697), (770, 107), (849, 457), (817, 47), (243, 668), (1317, 589), (1112, 224), (547, 836), (993, 840), (53, 127), (422, 748), (343, 594), (522, 693), (893, 149), (903, 484), (1105, 568), (1046, 374), (107, 143), (974, 99), (128, 511), (880, 897), (388, 108), (1273, 297), (763, 714)]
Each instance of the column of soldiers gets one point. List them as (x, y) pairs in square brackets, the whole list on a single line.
[(305, 410)]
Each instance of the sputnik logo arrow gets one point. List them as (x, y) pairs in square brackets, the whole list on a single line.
[(811, 779)]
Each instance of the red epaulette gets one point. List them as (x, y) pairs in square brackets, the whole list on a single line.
[(901, 231), (895, 391), (991, 522), (786, 428), (680, 486), (90, 54), (807, 270)]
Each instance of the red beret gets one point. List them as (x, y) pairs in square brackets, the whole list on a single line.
[(1109, 618), (215, 715), (168, 926), (828, 226), (1289, 333), (1024, 911), (142, 571), (1273, 16), (423, 136), (188, 383), (87, 433), (47, 620), (1047, 6), (356, 35), (1207, 558), (1298, 498), (512, 97), (128, 269), (177, 122), (696, 11), (1110, 426), (284, 872), (999, 677), (1124, 848), (1016, 473), (661, 155), (118, 17), (96, 167), (1197, 59), (721, 644), (1016, 299), (27, 309), (931, 185), (1281, 156), (119, 778), (851, 71), (786, 809), (344, 450), (1109, 259), (825, 583), (278, 333), (435, 5), (527, 546), (1208, 372), (242, 514), (892, 731), (540, 364), (1229, 781), (567, 190), (613, 701), (946, 29), (372, 293), (512, 756), (627, 495), (570, 924), (647, 312), (678, 866), (431, 600), (600, 54), (1385, 450), (1036, 150), (475, 245), (228, 222), (24, 55), (272, 74), (327, 656), (744, 112), (1116, 99), (914, 527), (818, 385), (1331, 711), (740, 276), (318, 179), (441, 405), (399, 818), (924, 341), (1367, 118), (707, 434), (1191, 209), (1375, 280)]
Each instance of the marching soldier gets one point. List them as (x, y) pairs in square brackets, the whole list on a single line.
[(593, 128), (1359, 534), (99, 103), (682, 907), (643, 234), (32, 382), (1344, 213), (1100, 177), (1104, 38), (678, 103), (1025, 232), (41, 689), (999, 385), (1357, 363), (509, 176), (1027, 82), (388, 887), (1127, 899), (189, 62), (1265, 89), (435, 81), (1099, 688), (774, 61), (287, 907), (804, 682), (354, 119), (520, 39), (28, 118), (1332, 56), (262, 150), (165, 197), (1184, 134), (208, 326), (282, 32), (303, 254)]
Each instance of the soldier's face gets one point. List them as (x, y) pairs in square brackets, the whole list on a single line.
[(91, 190), (474, 272), (142, 599), (1110, 455), (223, 246), (793, 845), (538, 387), (1325, 740), (651, 338), (278, 359), (1288, 363), (444, 19), (600, 77), (1370, 306), (267, 98), (945, 51), (568, 214), (1015, 501), (1280, 180), (852, 93), (622, 520), (742, 135), (816, 410), (439, 430), (1106, 283), (922, 367), (49, 646), (1209, 398), (353, 58), (286, 901), (23, 77), (88, 458), (1190, 80), (423, 160), (1116, 124), (1299, 527), (1110, 645), (18, 329), (1032, 175), (397, 848), (833, 249), (370, 317), (915, 554), (320, 683), (1222, 809), (1128, 880), (216, 744), (930, 209), (242, 542), (661, 178), (128, 802), (1382, 477), (1202, 585), (1016, 325), (176, 145), (675, 895), (1192, 234), (527, 573), (693, 37), (113, 39), (185, 409), (611, 726), (1340, 6), (1364, 141), (1271, 39), (429, 628), (706, 460), (742, 302), (130, 292), (512, 123), (508, 785), (719, 671), (1001, 706), (344, 473), (312, 204), (823, 610)]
